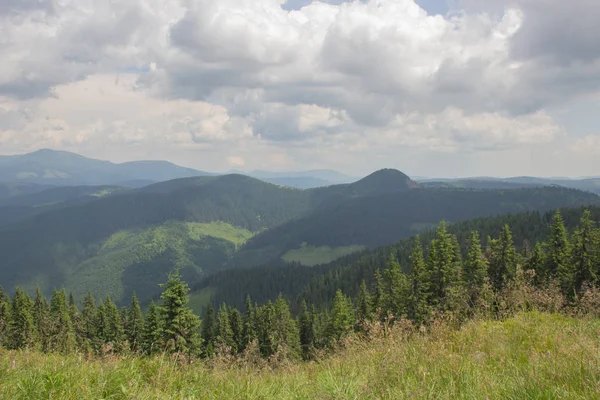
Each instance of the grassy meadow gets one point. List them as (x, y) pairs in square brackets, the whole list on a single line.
[(530, 356)]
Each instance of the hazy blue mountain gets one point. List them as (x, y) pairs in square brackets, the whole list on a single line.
[(588, 184), (326, 175), (64, 168)]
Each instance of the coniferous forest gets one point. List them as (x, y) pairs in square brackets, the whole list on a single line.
[(487, 277)]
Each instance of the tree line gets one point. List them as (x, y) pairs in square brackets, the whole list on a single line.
[(442, 279)]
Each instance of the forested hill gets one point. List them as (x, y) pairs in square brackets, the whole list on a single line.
[(379, 220), (127, 242), (318, 285)]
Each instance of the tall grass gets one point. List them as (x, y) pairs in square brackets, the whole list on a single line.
[(529, 356)]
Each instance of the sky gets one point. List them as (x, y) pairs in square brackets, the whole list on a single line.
[(432, 87)]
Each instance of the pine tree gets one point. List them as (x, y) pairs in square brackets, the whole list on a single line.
[(41, 316), (444, 269), (420, 294), (364, 312), (475, 268), (557, 263), (22, 329), (583, 252), (208, 331), (62, 335), (152, 334), (379, 298), (342, 316), (503, 259), (77, 322), (135, 325), (306, 325), (180, 331)]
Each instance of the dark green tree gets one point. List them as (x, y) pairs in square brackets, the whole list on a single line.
[(503, 259), (112, 326), (420, 294), (208, 331), (5, 319), (364, 311), (557, 263), (306, 326), (22, 328), (62, 335), (224, 334), (249, 332), (89, 324), (444, 269), (152, 335), (537, 264), (342, 317), (475, 268), (583, 256), (180, 330), (284, 330), (41, 316), (237, 328), (397, 290), (135, 325)]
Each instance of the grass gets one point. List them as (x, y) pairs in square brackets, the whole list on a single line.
[(311, 255), (200, 299), (532, 356)]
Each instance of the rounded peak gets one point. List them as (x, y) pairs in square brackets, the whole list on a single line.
[(385, 180)]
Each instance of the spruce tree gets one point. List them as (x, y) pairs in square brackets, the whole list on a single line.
[(342, 316), (224, 333), (284, 329), (180, 330), (397, 289), (237, 328), (475, 268), (135, 325), (306, 326), (445, 270), (22, 329), (503, 259), (89, 324), (557, 263), (364, 312), (62, 335), (536, 263), (420, 294), (249, 332), (77, 322), (379, 306), (152, 334), (208, 331), (112, 329), (583, 252), (5, 319), (41, 316)]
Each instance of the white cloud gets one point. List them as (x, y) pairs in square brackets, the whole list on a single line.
[(246, 78)]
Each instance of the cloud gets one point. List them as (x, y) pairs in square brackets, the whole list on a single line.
[(241, 76)]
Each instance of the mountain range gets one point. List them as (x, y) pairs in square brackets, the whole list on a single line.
[(115, 239)]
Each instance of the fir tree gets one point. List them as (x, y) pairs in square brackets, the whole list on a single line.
[(89, 324), (135, 325), (152, 334), (583, 253), (41, 316), (180, 331), (5, 319), (342, 316), (208, 331), (475, 268), (364, 310), (306, 326), (224, 333), (397, 289), (536, 263), (557, 263), (249, 332), (62, 335), (444, 268), (237, 328), (420, 295), (503, 259), (112, 330), (379, 298), (22, 329), (284, 329)]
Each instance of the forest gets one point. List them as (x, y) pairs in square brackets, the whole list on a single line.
[(555, 270)]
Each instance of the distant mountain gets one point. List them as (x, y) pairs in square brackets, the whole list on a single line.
[(63, 168), (590, 184), (299, 182), (128, 241), (14, 189), (321, 174)]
